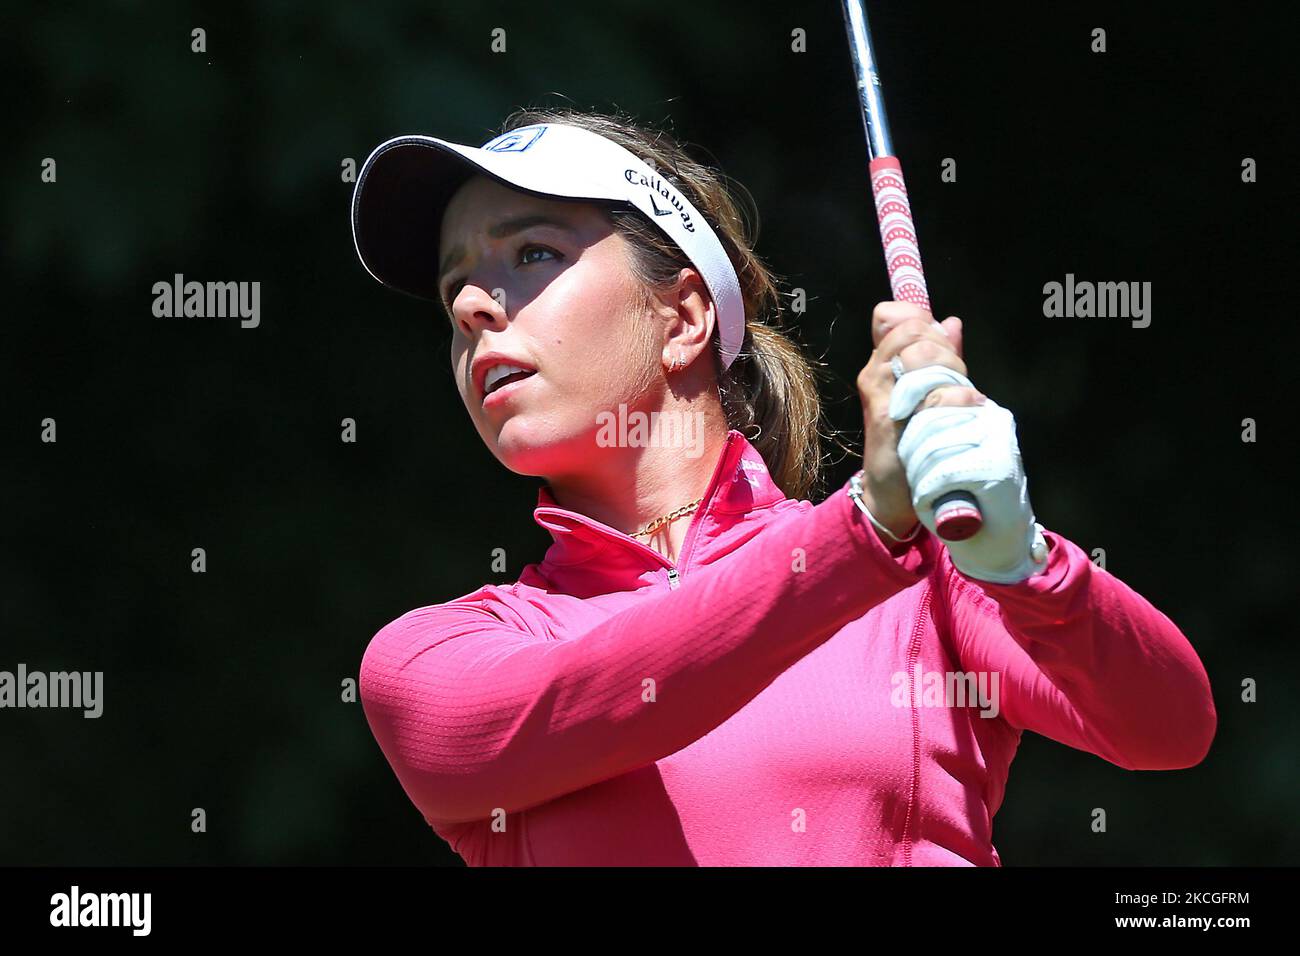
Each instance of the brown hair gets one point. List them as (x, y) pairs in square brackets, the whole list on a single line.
[(770, 392)]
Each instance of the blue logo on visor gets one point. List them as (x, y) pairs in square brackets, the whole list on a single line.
[(515, 141)]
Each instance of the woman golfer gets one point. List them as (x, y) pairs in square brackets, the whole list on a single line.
[(706, 668)]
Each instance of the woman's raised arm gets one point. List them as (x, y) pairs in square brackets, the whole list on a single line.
[(476, 713), (1084, 659)]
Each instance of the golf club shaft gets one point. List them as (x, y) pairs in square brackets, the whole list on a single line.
[(956, 514)]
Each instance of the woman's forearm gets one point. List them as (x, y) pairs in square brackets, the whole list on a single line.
[(1096, 665)]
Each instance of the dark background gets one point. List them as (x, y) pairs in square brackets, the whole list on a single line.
[(222, 690)]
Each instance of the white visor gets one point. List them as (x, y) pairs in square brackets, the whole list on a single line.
[(406, 183)]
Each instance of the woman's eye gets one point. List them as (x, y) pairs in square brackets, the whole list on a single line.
[(455, 287), (523, 253)]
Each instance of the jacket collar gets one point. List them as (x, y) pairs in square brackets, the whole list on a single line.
[(740, 484)]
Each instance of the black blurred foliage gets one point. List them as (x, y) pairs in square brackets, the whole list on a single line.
[(223, 689)]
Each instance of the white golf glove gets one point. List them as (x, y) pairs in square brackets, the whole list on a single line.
[(974, 449)]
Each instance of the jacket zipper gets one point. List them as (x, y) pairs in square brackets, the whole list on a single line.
[(913, 794), (675, 573), (688, 543)]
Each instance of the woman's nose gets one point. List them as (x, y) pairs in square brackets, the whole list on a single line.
[(476, 308)]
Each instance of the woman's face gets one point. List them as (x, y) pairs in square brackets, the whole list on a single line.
[(545, 284)]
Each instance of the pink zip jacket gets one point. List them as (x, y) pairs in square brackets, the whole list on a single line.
[(781, 697)]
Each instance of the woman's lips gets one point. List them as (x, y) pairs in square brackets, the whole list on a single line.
[(502, 392)]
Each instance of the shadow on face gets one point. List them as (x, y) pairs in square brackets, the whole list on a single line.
[(546, 285)]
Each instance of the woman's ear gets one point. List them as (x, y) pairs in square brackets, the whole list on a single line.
[(690, 312)]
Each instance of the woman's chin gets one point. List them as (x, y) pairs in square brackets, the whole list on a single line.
[(527, 450)]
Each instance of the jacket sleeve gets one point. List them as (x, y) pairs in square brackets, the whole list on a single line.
[(1087, 661), (475, 714)]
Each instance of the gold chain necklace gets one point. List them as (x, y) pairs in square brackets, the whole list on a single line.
[(659, 522)]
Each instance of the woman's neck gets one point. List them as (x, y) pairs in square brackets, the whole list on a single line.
[(628, 488)]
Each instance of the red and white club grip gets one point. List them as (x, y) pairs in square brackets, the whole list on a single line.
[(956, 515), (897, 232)]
